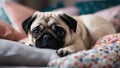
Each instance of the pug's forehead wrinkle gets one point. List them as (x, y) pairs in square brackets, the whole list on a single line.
[(37, 22), (46, 18), (39, 16), (48, 14), (52, 21)]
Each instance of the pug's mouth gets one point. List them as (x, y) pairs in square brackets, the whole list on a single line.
[(49, 41)]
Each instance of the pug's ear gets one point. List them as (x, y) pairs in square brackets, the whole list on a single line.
[(27, 23), (72, 23)]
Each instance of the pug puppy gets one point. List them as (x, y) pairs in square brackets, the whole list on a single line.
[(67, 34)]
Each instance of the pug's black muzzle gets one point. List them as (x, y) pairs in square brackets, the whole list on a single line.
[(47, 40)]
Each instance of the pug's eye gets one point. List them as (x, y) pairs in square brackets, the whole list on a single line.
[(60, 32), (36, 31)]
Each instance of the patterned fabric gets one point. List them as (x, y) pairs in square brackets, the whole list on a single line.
[(105, 54), (110, 39)]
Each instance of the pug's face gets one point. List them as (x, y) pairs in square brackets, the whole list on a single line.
[(49, 29)]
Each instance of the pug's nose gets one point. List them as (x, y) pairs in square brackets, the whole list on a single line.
[(48, 36)]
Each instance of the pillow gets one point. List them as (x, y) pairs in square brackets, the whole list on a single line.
[(14, 53), (3, 15), (17, 14), (105, 54), (94, 6), (112, 15), (109, 39), (7, 32)]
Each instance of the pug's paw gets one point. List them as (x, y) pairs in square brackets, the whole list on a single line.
[(65, 51), (27, 43)]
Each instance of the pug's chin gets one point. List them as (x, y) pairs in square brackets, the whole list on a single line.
[(51, 44)]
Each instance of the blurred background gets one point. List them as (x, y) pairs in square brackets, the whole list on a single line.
[(82, 6), (15, 13), (41, 4)]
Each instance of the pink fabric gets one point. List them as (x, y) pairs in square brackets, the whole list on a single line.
[(110, 15), (7, 32), (17, 13)]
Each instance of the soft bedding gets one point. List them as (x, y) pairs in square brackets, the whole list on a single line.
[(105, 54), (17, 54)]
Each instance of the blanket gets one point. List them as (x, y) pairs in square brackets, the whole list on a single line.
[(105, 54)]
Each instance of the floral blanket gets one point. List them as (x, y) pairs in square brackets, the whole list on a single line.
[(105, 54)]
